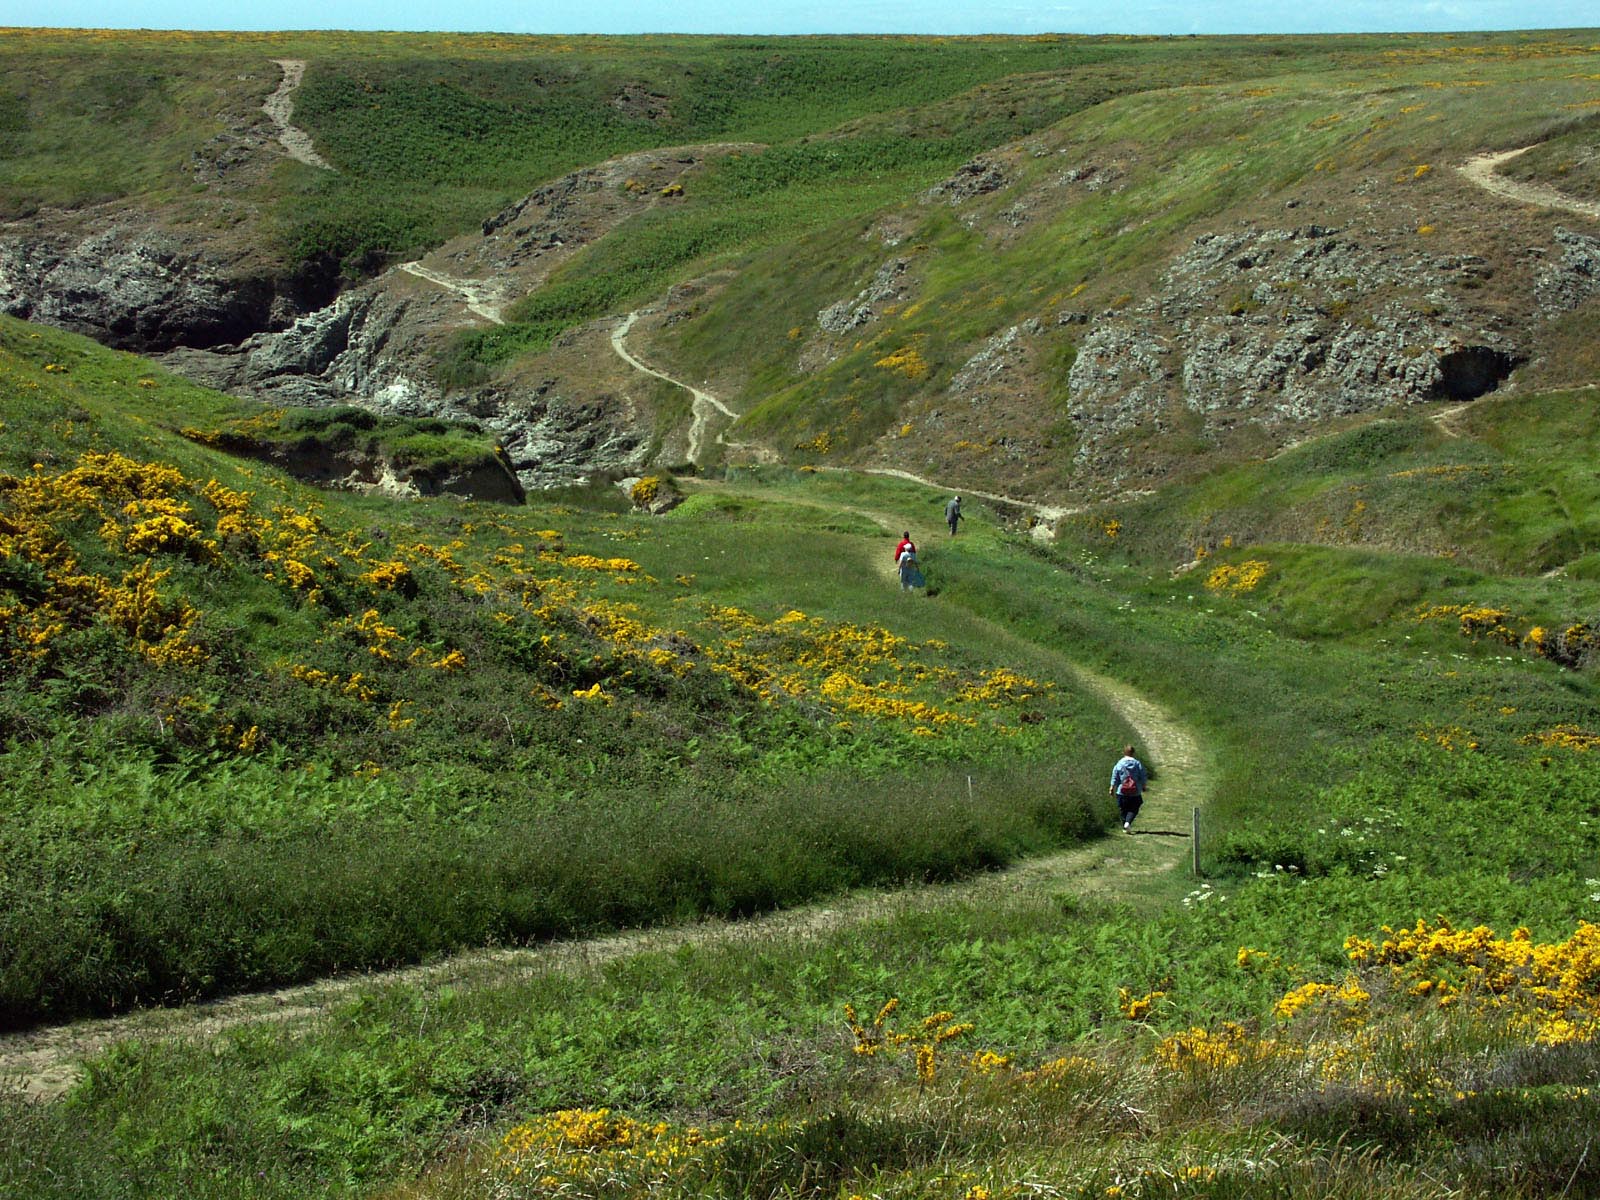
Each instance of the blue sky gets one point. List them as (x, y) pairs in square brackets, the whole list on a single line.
[(812, 16)]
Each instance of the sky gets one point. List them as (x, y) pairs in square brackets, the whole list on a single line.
[(812, 16)]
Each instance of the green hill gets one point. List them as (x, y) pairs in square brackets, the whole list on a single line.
[(281, 703), (698, 858)]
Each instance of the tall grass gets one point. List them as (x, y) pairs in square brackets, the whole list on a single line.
[(393, 731)]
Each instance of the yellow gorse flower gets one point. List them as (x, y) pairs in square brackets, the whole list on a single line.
[(1237, 580)]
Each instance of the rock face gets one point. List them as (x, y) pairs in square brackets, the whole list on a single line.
[(324, 358), (1573, 278), (134, 285), (138, 289), (1003, 355), (492, 480), (976, 178), (889, 285), (375, 346), (1275, 326)]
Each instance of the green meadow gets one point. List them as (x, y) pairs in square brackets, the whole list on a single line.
[(585, 718), (435, 849)]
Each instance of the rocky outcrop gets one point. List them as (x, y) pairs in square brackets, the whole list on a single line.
[(375, 346), (1002, 355), (1277, 326), (135, 288), (1573, 279), (889, 285), (222, 323), (325, 357), (976, 178), (554, 440), (491, 479)]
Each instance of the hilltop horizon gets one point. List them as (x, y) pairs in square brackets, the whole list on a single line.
[(725, 18)]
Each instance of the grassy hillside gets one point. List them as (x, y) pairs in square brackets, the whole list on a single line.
[(1100, 160), (1082, 219), (431, 134), (248, 790), (254, 733), (246, 712), (1503, 488)]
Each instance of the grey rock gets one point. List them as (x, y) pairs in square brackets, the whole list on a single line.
[(976, 178), (138, 289), (1275, 327), (888, 285), (1000, 355), (1571, 280)]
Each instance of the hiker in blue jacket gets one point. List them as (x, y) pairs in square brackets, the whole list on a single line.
[(1127, 785)]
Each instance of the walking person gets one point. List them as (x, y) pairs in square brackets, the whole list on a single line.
[(952, 513), (1128, 781), (905, 557)]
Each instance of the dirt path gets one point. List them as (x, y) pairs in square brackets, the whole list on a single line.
[(44, 1064), (280, 108), (1048, 514), (479, 297), (1482, 169), (703, 404)]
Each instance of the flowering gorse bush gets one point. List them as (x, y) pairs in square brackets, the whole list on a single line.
[(1575, 645), (1237, 579), (907, 361), (922, 1040)]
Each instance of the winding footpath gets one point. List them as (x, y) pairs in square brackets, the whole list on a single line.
[(703, 403), (279, 106), (481, 298), (44, 1064), (1047, 514), (1483, 171)]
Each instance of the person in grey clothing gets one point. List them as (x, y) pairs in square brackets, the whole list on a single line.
[(952, 513), (1128, 781)]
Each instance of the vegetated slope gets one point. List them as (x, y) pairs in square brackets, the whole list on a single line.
[(433, 138), (1173, 280), (213, 236), (949, 329), (430, 135), (1398, 692), (256, 733), (1397, 766), (1501, 487)]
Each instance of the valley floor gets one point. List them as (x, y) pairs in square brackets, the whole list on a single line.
[(44, 1064)]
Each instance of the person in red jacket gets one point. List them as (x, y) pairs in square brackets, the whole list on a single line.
[(905, 557)]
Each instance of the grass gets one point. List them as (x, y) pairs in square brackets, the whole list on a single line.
[(339, 733), (1170, 168), (1564, 159), (1357, 760), (444, 695), (425, 448)]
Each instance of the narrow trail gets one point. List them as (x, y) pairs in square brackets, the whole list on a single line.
[(482, 298), (1444, 416), (1048, 514), (1482, 169), (44, 1064), (279, 106), (703, 403)]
